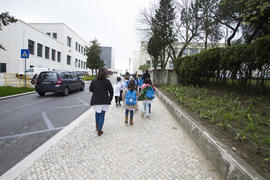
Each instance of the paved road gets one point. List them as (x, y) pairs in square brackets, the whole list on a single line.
[(28, 121)]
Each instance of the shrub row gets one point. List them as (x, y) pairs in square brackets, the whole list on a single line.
[(241, 63)]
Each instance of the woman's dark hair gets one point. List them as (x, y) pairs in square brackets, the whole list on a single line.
[(148, 81), (131, 85), (102, 73), (126, 77), (146, 71), (118, 79)]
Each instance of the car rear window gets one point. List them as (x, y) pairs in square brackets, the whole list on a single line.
[(48, 75)]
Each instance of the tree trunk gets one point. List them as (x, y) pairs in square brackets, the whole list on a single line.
[(234, 32)]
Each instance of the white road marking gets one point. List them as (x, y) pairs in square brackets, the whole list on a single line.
[(30, 133), (85, 103), (47, 120)]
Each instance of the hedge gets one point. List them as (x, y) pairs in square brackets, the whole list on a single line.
[(240, 63)]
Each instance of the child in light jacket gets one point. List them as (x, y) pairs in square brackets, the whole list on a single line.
[(118, 90)]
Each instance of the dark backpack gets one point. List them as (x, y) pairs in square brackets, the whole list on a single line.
[(150, 94), (131, 98)]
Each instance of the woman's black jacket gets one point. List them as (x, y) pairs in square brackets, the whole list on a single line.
[(102, 91)]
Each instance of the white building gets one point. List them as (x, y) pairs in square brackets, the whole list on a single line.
[(142, 57), (51, 45)]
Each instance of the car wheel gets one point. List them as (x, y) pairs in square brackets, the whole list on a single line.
[(41, 93), (66, 91), (82, 87)]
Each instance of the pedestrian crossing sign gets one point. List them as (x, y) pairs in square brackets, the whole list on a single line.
[(24, 53)]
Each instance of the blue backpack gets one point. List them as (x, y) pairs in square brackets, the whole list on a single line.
[(140, 82), (150, 94), (126, 83), (131, 98)]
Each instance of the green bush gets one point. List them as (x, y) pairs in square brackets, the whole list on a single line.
[(237, 63)]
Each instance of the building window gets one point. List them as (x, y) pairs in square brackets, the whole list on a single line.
[(53, 54), (58, 56), (3, 67), (68, 59), (81, 64), (39, 50), (31, 46), (76, 62), (148, 62), (82, 50), (49, 33), (193, 51), (79, 47), (159, 65), (47, 52), (69, 41), (176, 50), (76, 46), (54, 35), (171, 64), (185, 52)]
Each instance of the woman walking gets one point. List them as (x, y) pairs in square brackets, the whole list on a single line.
[(102, 96)]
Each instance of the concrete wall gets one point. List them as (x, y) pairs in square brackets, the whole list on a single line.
[(164, 77)]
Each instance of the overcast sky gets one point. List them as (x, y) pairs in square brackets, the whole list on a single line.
[(112, 22)]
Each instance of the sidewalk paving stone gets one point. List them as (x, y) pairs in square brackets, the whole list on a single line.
[(155, 148)]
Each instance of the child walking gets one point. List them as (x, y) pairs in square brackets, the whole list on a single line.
[(130, 101), (147, 95), (118, 90)]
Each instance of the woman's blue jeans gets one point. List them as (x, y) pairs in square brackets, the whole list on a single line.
[(100, 119)]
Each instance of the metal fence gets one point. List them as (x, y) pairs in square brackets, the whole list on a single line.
[(12, 79)]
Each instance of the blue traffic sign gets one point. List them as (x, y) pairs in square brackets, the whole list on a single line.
[(24, 53)]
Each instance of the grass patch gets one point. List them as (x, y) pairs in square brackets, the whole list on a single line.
[(240, 120), (8, 90), (88, 78)]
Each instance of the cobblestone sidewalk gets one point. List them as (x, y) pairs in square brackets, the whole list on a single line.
[(155, 148)]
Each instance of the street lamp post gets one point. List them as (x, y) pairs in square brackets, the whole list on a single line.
[(129, 65)]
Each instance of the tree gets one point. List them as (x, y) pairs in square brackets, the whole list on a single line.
[(230, 14), (210, 28), (163, 29), (144, 67), (154, 49), (5, 19), (187, 25), (93, 56), (256, 15)]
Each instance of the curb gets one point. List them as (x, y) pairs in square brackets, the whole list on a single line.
[(16, 95), (31, 158), (229, 165)]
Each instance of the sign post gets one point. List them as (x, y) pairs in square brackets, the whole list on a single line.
[(25, 55)]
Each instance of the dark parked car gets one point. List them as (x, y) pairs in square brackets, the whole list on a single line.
[(59, 82)]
